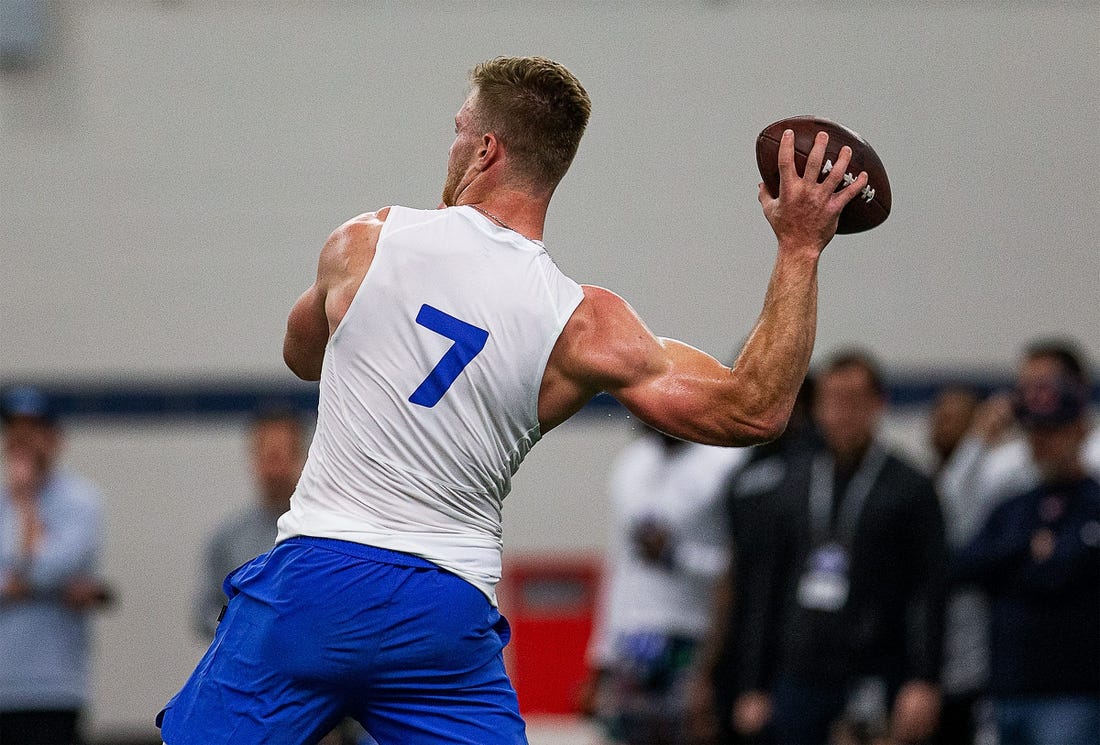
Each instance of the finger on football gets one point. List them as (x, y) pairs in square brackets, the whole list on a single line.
[(786, 157), (816, 156), (849, 192), (840, 168)]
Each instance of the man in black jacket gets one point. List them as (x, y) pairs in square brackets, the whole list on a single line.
[(849, 583), (749, 496)]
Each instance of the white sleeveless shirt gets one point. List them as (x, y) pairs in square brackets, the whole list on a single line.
[(429, 392)]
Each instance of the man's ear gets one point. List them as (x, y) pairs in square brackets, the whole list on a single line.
[(489, 152)]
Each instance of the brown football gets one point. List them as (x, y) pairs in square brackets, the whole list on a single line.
[(870, 208)]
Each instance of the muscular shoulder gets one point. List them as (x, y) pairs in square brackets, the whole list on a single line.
[(600, 300), (590, 356), (606, 337), (352, 243)]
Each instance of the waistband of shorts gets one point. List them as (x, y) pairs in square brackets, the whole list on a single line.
[(362, 551)]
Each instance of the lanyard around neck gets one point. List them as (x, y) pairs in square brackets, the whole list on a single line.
[(851, 502)]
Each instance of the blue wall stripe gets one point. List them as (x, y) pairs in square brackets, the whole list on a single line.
[(217, 398)]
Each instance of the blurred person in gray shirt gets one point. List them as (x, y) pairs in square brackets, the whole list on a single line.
[(276, 452)]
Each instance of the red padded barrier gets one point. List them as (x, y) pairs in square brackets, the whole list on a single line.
[(549, 601)]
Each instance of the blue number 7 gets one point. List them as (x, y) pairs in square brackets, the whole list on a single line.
[(468, 339)]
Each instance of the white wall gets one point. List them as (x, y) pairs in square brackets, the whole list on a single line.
[(168, 177)]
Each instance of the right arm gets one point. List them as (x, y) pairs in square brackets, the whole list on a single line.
[(683, 391), (344, 260)]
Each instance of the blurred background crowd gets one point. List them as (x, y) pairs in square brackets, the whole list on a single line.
[(864, 599), (826, 587)]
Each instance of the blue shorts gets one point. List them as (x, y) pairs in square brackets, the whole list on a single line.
[(317, 630)]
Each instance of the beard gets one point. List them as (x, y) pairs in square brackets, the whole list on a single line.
[(451, 184)]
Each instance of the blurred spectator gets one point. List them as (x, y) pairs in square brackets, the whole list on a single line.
[(738, 637), (950, 420), (991, 464), (850, 644), (277, 448), (50, 539), (1038, 557), (964, 670), (667, 548)]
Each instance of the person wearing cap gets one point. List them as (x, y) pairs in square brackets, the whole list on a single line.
[(992, 464), (1037, 557), (50, 539)]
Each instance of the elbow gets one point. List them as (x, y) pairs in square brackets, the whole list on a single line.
[(744, 432), (759, 429), (766, 429), (772, 429), (755, 415)]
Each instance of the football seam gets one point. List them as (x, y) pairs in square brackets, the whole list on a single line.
[(877, 205)]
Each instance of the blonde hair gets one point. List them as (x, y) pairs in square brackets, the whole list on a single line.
[(537, 109)]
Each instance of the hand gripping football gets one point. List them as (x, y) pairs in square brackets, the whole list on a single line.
[(870, 208)]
